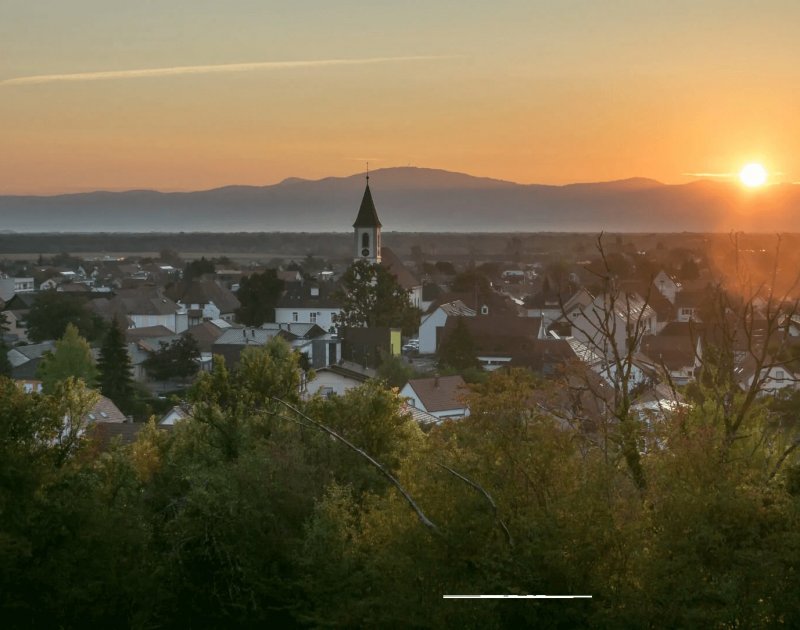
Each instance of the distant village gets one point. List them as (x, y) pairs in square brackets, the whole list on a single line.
[(591, 321)]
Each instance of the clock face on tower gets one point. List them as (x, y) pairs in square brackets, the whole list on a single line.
[(365, 252)]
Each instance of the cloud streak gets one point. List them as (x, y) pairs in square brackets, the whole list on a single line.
[(210, 69)]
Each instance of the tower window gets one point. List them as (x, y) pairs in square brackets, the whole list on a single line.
[(365, 240)]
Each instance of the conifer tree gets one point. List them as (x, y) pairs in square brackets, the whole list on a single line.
[(115, 367)]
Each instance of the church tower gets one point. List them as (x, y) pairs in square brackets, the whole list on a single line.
[(367, 230)]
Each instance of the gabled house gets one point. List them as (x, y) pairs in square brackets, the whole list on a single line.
[(611, 322), (336, 379), (310, 303), (203, 300), (440, 396), (434, 321), (25, 360), (142, 307)]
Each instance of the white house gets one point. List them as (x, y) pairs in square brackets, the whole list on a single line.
[(441, 396), (433, 322), (337, 379), (309, 304)]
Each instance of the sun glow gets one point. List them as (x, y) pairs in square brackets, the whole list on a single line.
[(753, 175)]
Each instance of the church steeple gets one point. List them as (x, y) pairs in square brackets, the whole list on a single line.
[(367, 228)]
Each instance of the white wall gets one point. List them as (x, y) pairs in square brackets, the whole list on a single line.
[(427, 330), (324, 316)]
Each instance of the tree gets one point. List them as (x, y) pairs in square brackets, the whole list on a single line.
[(197, 268), (177, 359), (72, 358), (458, 350), (258, 294), (5, 364), (114, 368), (372, 297), (52, 311)]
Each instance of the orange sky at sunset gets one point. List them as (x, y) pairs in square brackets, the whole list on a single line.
[(532, 92)]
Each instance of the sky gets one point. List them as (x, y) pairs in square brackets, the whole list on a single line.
[(195, 94)]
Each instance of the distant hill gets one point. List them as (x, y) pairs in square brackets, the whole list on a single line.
[(417, 199)]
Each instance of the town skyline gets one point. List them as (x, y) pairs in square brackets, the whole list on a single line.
[(185, 96)]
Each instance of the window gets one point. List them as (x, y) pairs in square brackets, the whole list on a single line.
[(313, 318), (294, 317), (365, 240), (779, 376)]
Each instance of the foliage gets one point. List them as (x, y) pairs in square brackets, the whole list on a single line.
[(197, 268), (52, 311), (114, 366), (372, 297), (458, 350), (258, 294), (176, 359), (472, 281), (72, 358), (248, 513), (395, 370)]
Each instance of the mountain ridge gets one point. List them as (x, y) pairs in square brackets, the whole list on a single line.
[(416, 199)]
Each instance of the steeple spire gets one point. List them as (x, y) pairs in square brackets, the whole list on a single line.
[(367, 229), (367, 214)]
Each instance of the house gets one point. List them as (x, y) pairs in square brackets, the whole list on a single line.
[(309, 303), (499, 340), (104, 410), (25, 360), (611, 322), (175, 414), (319, 347), (338, 378), (433, 322), (142, 307), (675, 357), (11, 286), (15, 323), (204, 299), (667, 285), (440, 396), (688, 305)]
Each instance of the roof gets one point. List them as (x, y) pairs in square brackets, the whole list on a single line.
[(392, 263), (22, 354), (245, 337), (205, 334), (423, 418), (141, 301), (148, 332), (204, 292), (440, 393), (349, 369), (498, 334), (674, 351), (299, 296), (104, 410), (457, 307), (367, 215)]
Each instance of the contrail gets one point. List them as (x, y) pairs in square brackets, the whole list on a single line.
[(209, 69)]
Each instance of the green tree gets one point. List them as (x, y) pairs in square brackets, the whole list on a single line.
[(72, 358), (52, 311), (457, 350), (114, 366), (258, 294), (177, 359), (371, 296)]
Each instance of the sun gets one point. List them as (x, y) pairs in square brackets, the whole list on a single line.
[(753, 175)]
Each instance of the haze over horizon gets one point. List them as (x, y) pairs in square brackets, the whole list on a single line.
[(181, 96)]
